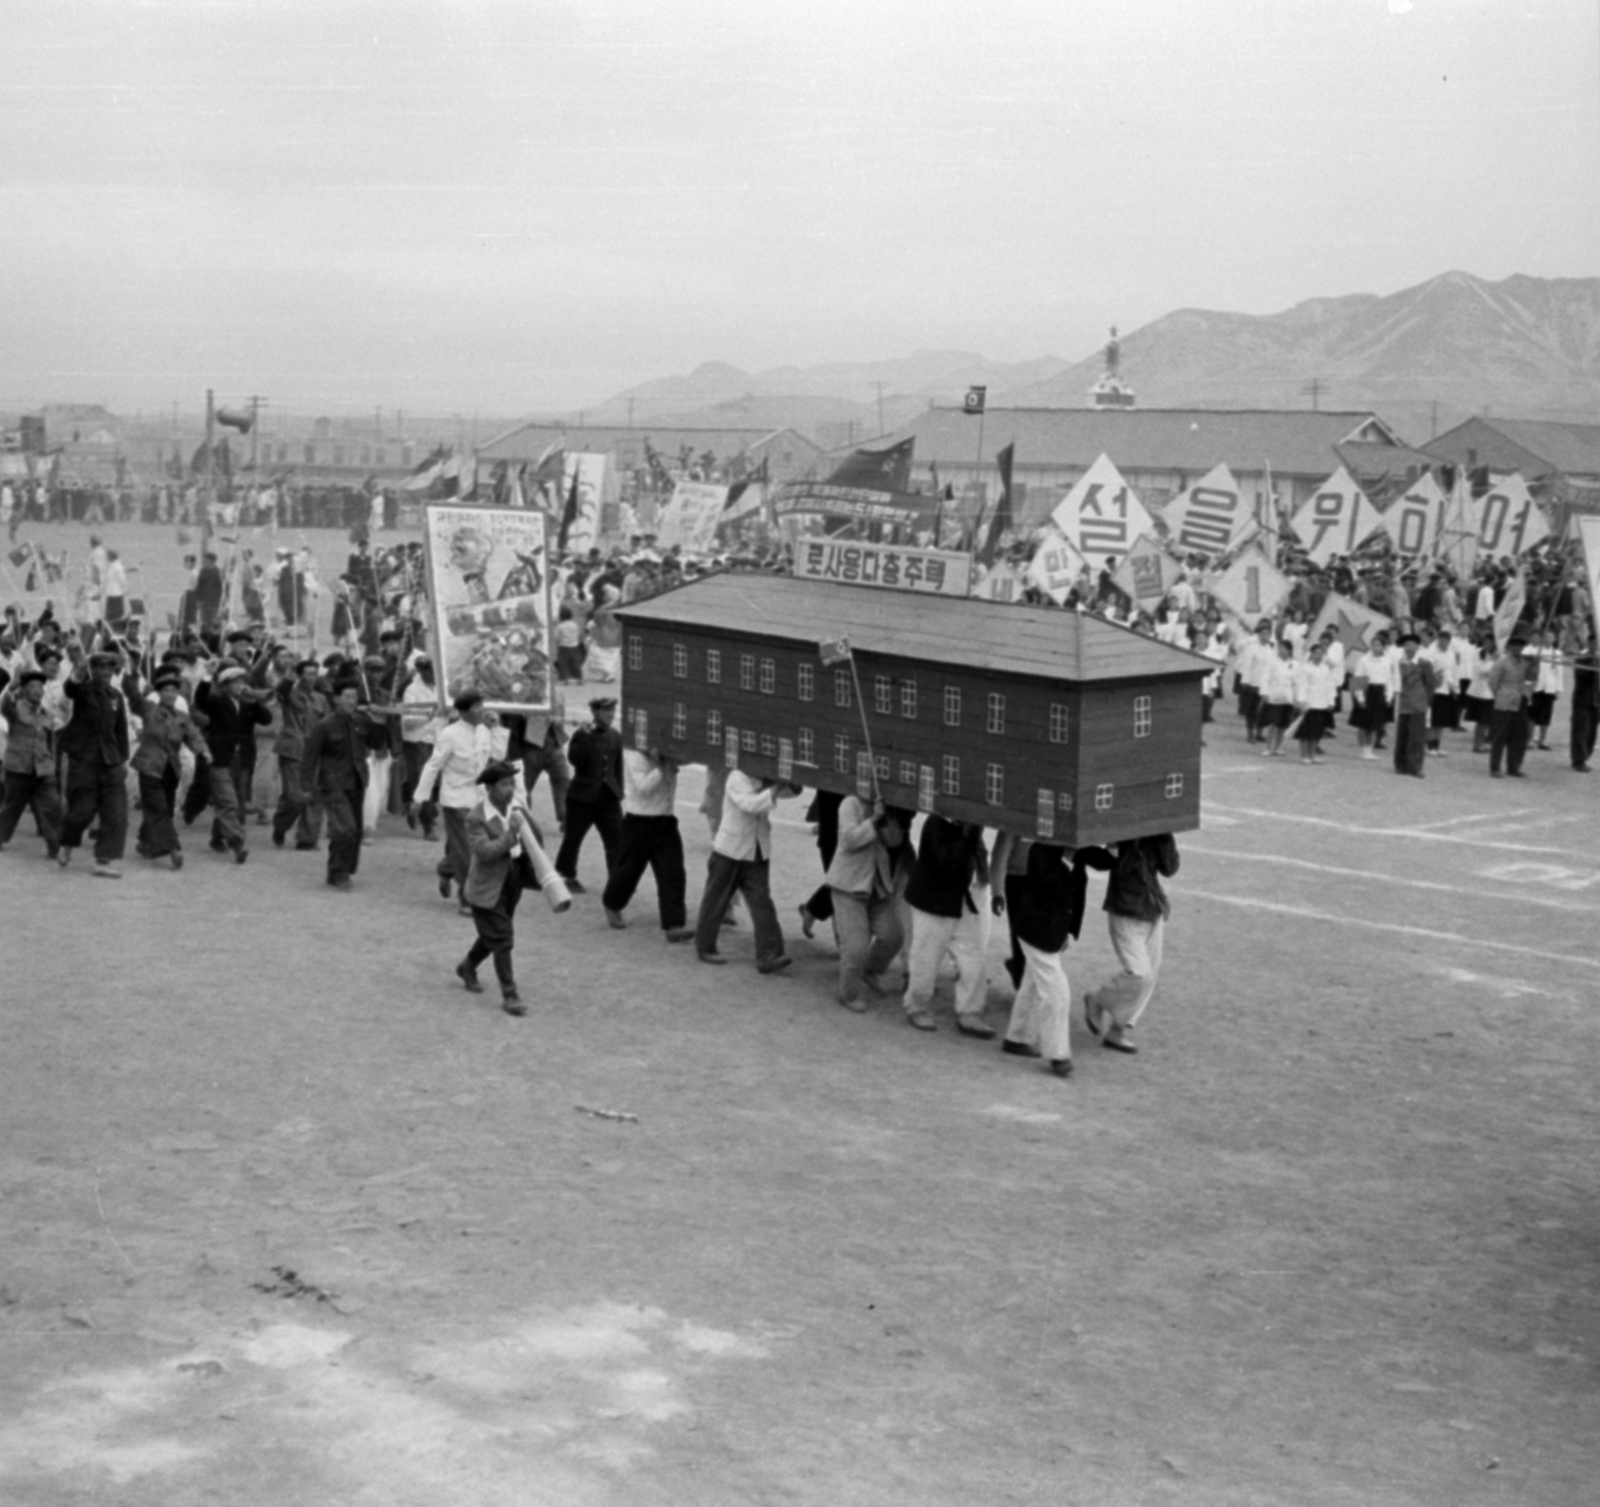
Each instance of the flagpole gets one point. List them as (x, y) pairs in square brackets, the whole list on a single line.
[(866, 732)]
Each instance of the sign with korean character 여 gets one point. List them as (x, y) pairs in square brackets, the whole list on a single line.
[(927, 571)]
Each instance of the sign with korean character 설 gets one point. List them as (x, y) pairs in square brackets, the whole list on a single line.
[(1101, 515)]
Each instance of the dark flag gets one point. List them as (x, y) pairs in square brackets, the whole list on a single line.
[(975, 399), (233, 419), (1002, 519), (885, 470), (569, 516)]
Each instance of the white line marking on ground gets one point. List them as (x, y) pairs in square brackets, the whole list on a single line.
[(1307, 913), (1509, 988), (1415, 832), (1419, 884), (1484, 816)]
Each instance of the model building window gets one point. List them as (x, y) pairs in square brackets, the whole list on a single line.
[(680, 720), (1064, 801), (997, 712), (1058, 722), (680, 661), (908, 699), (841, 688), (635, 652), (952, 775), (841, 753), (806, 748), (747, 672), (769, 745), (994, 785), (714, 729), (769, 677), (1174, 786), (881, 768), (908, 773), (807, 682), (1141, 716), (1102, 797), (713, 666), (883, 695), (952, 706), (748, 740)]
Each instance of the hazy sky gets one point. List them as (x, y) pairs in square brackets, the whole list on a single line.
[(452, 206)]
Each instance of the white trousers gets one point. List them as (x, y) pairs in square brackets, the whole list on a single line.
[(377, 798), (966, 939), (1137, 945), (1041, 1013)]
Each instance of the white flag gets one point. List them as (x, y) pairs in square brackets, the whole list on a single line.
[(1510, 522), (1252, 587), (1458, 529), (1055, 567), (1101, 516), (1335, 518), (1211, 517), (1413, 520)]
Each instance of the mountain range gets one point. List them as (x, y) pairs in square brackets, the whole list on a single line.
[(1425, 358)]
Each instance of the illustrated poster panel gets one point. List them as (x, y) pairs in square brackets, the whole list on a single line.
[(489, 582)]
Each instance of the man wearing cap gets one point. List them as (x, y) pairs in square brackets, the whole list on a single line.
[(30, 761), (1508, 722), (96, 745), (594, 799), (1419, 683), (163, 734), (460, 753), (231, 722), (650, 839), (301, 705), (419, 728), (498, 833), (333, 767)]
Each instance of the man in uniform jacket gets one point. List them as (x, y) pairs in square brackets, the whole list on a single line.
[(334, 767), (96, 745), (950, 908), (231, 722), (594, 799), (301, 705), (1508, 722), (1419, 684), (30, 761), (499, 834), (163, 732)]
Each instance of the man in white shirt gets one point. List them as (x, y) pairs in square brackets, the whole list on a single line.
[(741, 856), (650, 840), (1255, 658), (419, 727), (460, 753)]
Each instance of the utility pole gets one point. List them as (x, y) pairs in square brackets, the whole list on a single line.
[(256, 400), (1433, 432), (1314, 388), (879, 386)]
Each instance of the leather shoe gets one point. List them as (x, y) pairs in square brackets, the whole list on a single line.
[(277, 839), (1061, 1067), (1018, 1049), (445, 881), (305, 847), (776, 965), (241, 855), (808, 923), (921, 1020), (469, 979), (463, 909), (856, 1006), (512, 1004), (715, 958), (341, 883), (975, 1025), (614, 919), (1091, 1015), (679, 933), (1117, 1039)]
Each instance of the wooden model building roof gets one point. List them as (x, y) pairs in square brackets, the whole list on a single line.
[(996, 637)]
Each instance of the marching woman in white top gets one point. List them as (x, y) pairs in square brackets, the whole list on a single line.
[(1277, 699), (1477, 660), (1546, 688), (1314, 690)]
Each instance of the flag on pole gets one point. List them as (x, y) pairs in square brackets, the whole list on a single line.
[(834, 651), (1001, 523), (569, 514), (1252, 587), (1335, 518), (1210, 517), (1509, 613), (1101, 515), (975, 400), (1056, 566)]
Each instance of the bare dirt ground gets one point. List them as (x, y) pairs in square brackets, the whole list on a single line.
[(290, 1219)]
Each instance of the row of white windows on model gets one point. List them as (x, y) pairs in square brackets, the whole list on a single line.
[(802, 751), (763, 673)]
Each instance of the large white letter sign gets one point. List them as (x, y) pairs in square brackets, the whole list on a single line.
[(1509, 520), (1335, 519), (1413, 521), (1210, 517), (1101, 516)]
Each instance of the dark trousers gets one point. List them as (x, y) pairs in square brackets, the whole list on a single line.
[(1016, 964), (297, 806), (457, 854), (39, 792), (1508, 739), (343, 808), (496, 936), (654, 843), (1410, 741), (537, 761), (97, 794), (605, 816), (228, 792), (726, 877), (418, 754), (1584, 725), (158, 832)]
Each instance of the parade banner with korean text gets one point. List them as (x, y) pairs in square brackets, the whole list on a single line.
[(840, 508), (1510, 522), (584, 480), (1101, 516), (930, 572), (1211, 517), (1413, 521), (1056, 567), (489, 586), (1147, 572), (1335, 518), (1252, 587), (689, 520)]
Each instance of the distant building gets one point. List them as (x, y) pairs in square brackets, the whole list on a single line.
[(328, 452), (1560, 462), (788, 454), (1160, 451)]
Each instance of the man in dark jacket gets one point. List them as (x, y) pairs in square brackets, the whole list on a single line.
[(950, 904), (231, 723), (594, 799), (30, 762), (97, 747), (1137, 909), (334, 766), (301, 705)]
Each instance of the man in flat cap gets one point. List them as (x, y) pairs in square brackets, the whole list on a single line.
[(499, 832), (334, 766), (163, 733), (594, 798), (1508, 722), (231, 722), (30, 761), (96, 744), (301, 705)]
